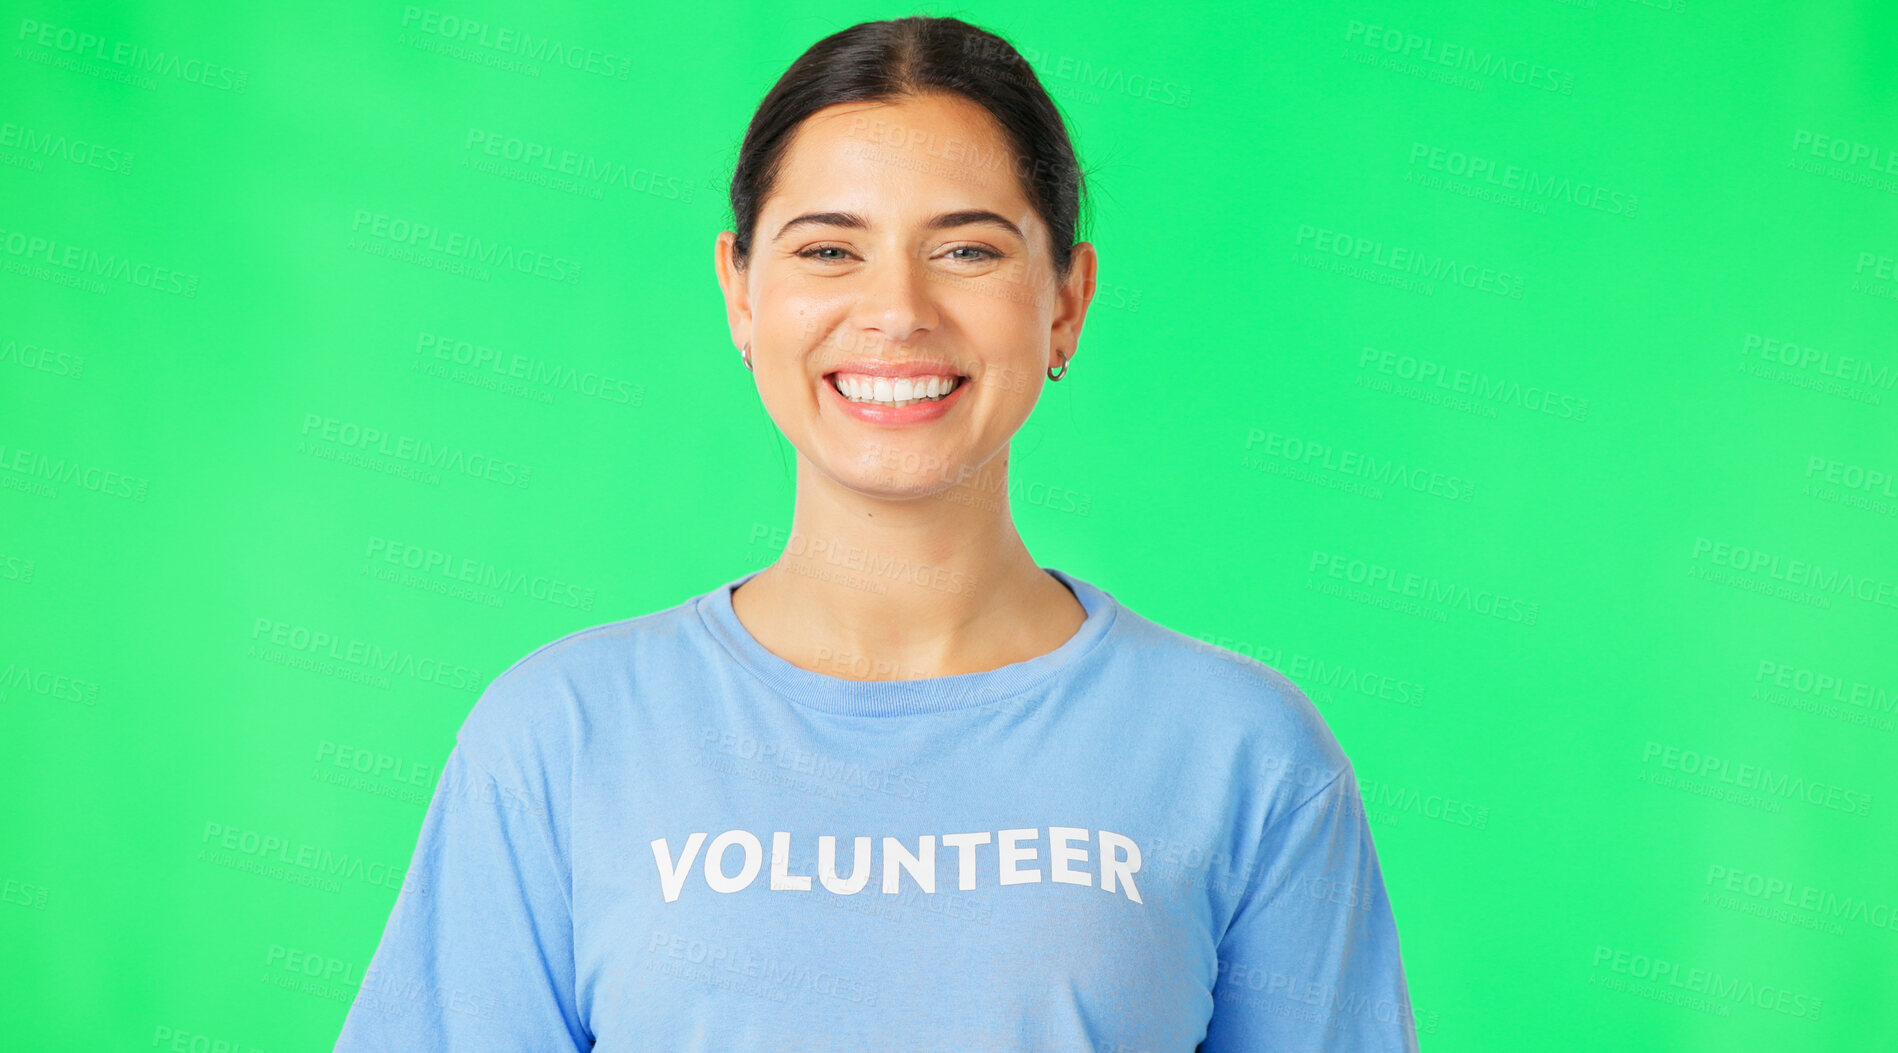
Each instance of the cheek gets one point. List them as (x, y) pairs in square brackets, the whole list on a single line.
[(800, 317)]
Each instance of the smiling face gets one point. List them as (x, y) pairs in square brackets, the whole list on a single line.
[(901, 301)]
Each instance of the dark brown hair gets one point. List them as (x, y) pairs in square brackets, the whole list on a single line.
[(903, 58)]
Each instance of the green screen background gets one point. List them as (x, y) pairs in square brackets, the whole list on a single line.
[(1516, 377)]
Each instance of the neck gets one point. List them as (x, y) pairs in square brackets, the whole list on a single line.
[(936, 584)]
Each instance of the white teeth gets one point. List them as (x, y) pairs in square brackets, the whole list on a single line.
[(902, 391)]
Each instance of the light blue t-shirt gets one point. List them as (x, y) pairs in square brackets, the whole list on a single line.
[(655, 834)]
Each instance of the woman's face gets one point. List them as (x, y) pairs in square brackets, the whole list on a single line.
[(898, 240)]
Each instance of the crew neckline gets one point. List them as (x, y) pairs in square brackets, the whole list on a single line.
[(895, 698)]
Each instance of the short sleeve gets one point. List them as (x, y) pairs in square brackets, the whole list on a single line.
[(1310, 960), (477, 954)]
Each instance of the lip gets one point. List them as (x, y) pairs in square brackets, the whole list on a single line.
[(880, 368), (915, 413)]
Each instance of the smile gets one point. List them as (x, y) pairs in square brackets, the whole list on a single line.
[(898, 391)]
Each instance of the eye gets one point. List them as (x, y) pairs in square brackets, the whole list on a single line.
[(980, 253)]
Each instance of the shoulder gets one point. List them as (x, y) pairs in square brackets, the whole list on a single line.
[(542, 701), (1239, 707)]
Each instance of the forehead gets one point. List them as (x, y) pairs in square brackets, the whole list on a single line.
[(919, 155)]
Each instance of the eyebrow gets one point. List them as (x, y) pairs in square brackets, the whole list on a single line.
[(945, 221)]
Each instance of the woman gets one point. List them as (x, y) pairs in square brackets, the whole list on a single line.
[(903, 788)]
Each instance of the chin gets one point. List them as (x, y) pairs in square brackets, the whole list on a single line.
[(868, 476)]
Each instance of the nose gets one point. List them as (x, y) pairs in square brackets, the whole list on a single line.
[(895, 301)]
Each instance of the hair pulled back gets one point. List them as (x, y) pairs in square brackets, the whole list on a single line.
[(900, 58)]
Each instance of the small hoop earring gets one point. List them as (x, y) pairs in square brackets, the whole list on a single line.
[(1052, 375), (748, 356)]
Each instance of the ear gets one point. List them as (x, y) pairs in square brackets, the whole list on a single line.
[(734, 287), (1071, 303)]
